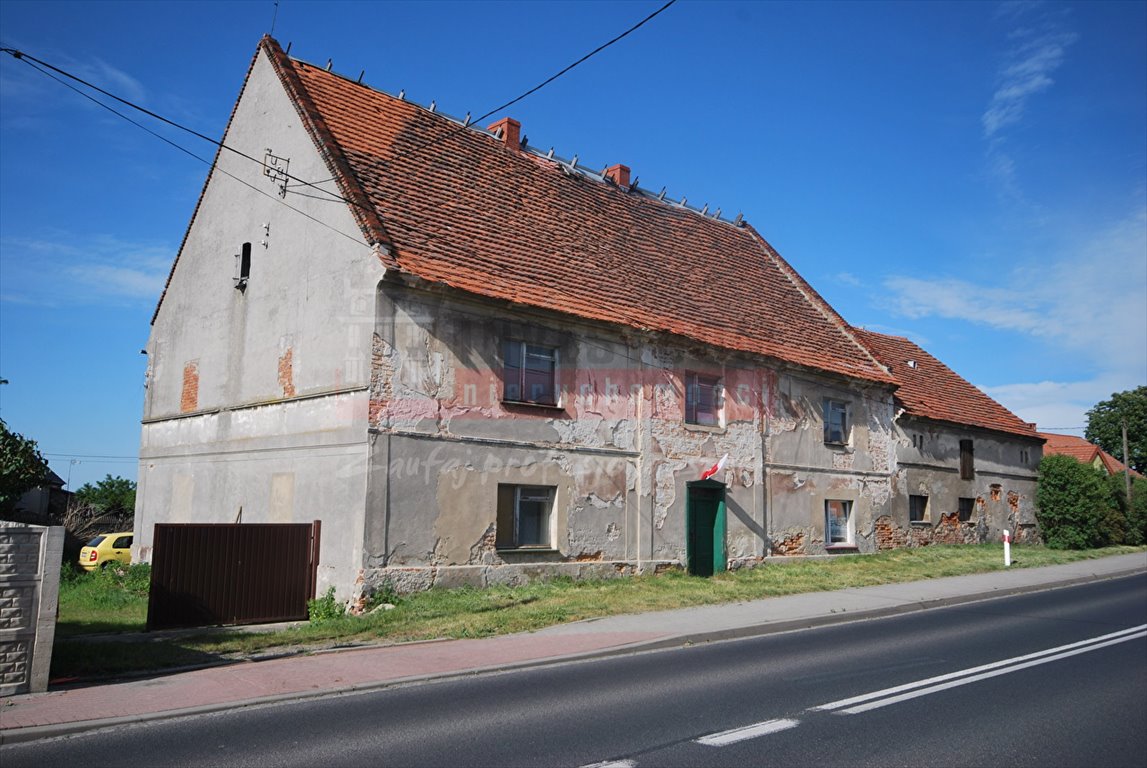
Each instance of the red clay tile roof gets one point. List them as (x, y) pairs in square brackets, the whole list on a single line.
[(932, 390), (474, 214), (1081, 450)]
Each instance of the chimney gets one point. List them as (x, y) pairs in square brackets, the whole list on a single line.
[(618, 174), (511, 132)]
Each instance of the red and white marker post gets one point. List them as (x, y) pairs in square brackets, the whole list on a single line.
[(1007, 548)]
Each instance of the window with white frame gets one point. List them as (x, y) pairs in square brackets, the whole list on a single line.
[(702, 400), (917, 509), (837, 522), (530, 374), (525, 517), (835, 422)]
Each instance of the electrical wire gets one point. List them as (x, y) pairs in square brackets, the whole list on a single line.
[(90, 456), (20, 55), (535, 89), (29, 60), (42, 67)]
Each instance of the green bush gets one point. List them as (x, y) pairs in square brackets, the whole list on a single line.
[(1073, 502), (1137, 514), (325, 608)]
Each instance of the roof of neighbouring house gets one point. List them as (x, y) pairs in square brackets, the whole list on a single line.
[(931, 390), (508, 223), (1080, 449)]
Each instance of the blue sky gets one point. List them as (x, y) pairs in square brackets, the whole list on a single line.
[(970, 175)]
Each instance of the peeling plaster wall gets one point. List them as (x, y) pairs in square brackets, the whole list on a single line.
[(616, 447), (928, 464), (805, 472)]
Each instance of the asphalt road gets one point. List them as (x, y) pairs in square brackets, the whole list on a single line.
[(1046, 679)]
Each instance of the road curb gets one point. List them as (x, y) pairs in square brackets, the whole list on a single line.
[(35, 733)]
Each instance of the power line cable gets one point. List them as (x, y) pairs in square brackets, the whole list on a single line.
[(33, 61), (29, 60), (535, 89), (90, 456)]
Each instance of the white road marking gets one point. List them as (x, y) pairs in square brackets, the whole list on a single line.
[(748, 732), (883, 698), (942, 682)]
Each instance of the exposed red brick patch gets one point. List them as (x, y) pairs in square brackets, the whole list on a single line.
[(380, 393), (189, 397), (286, 373), (791, 544), (948, 530), (589, 557)]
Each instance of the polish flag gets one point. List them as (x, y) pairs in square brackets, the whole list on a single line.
[(715, 468)]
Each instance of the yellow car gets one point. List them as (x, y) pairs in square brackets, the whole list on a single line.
[(105, 549)]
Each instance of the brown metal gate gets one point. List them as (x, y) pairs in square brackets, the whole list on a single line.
[(244, 573)]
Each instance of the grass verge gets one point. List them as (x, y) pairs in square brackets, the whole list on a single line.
[(94, 603)]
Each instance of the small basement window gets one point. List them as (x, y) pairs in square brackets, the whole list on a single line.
[(837, 523), (917, 509), (525, 517), (967, 507)]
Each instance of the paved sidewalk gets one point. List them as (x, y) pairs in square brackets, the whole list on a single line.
[(35, 716)]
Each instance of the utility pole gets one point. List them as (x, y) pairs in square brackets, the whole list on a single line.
[(1126, 466)]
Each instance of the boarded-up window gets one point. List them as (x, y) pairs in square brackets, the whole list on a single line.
[(967, 462)]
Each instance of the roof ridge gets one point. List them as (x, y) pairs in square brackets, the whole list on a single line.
[(357, 200), (482, 216), (963, 402), (815, 298), (571, 164)]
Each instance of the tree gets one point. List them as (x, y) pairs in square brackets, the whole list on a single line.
[(1137, 514), (111, 495), (1105, 426), (1072, 503), (22, 467)]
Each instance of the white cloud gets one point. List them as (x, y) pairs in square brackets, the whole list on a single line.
[(1056, 405), (1088, 303), (113, 80), (1037, 53), (37, 94), (99, 269), (1090, 297)]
